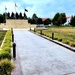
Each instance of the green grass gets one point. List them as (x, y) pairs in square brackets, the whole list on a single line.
[(2, 35), (63, 34)]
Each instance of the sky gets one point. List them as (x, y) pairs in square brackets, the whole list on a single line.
[(42, 8)]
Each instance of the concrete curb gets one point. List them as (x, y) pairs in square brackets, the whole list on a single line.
[(57, 42), (16, 62)]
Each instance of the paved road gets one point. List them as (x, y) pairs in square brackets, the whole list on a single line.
[(38, 56)]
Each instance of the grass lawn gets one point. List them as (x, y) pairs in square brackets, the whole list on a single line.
[(63, 34), (2, 34)]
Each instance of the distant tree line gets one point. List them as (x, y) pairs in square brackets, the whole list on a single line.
[(58, 20), (5, 16), (16, 16), (37, 20)]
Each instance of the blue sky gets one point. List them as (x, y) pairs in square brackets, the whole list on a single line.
[(43, 8)]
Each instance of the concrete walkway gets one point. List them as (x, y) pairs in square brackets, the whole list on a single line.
[(38, 56)]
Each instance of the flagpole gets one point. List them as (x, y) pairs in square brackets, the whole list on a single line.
[(15, 10), (5, 15)]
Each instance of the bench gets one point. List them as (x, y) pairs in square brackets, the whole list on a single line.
[(40, 29)]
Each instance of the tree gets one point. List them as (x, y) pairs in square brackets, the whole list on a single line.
[(4, 16), (72, 21), (12, 15), (25, 16), (34, 16), (33, 20), (17, 16), (59, 19), (1, 18), (20, 15), (63, 18), (39, 21), (47, 21), (29, 20), (8, 15), (55, 22)]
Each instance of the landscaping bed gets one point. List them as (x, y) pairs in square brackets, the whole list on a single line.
[(5, 55)]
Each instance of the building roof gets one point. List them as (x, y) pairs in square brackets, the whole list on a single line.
[(68, 17)]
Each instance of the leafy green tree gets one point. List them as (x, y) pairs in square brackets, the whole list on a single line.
[(20, 15), (25, 16), (63, 18), (1, 18), (29, 20), (55, 22), (8, 15), (47, 21), (17, 16), (33, 20), (12, 15), (59, 19), (4, 16), (39, 21), (34, 16), (72, 21)]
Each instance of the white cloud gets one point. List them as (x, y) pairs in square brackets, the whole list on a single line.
[(10, 6), (43, 8)]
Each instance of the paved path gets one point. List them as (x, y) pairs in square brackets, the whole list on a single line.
[(38, 56)]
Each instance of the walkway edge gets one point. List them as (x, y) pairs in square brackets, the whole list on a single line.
[(57, 42)]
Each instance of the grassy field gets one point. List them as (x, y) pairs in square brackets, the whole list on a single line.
[(2, 34), (63, 34)]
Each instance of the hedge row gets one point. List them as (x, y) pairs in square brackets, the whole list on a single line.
[(5, 55)]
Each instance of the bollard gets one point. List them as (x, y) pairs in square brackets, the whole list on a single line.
[(41, 32), (14, 50), (34, 29), (12, 37), (52, 35)]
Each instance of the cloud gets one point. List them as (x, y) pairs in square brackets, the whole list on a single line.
[(43, 8)]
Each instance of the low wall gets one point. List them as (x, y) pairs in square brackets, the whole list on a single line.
[(21, 24)]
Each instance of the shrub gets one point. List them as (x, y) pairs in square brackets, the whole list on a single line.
[(47, 35), (4, 54), (8, 44), (72, 44), (7, 49), (6, 67), (55, 38), (60, 39), (44, 34), (66, 41)]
